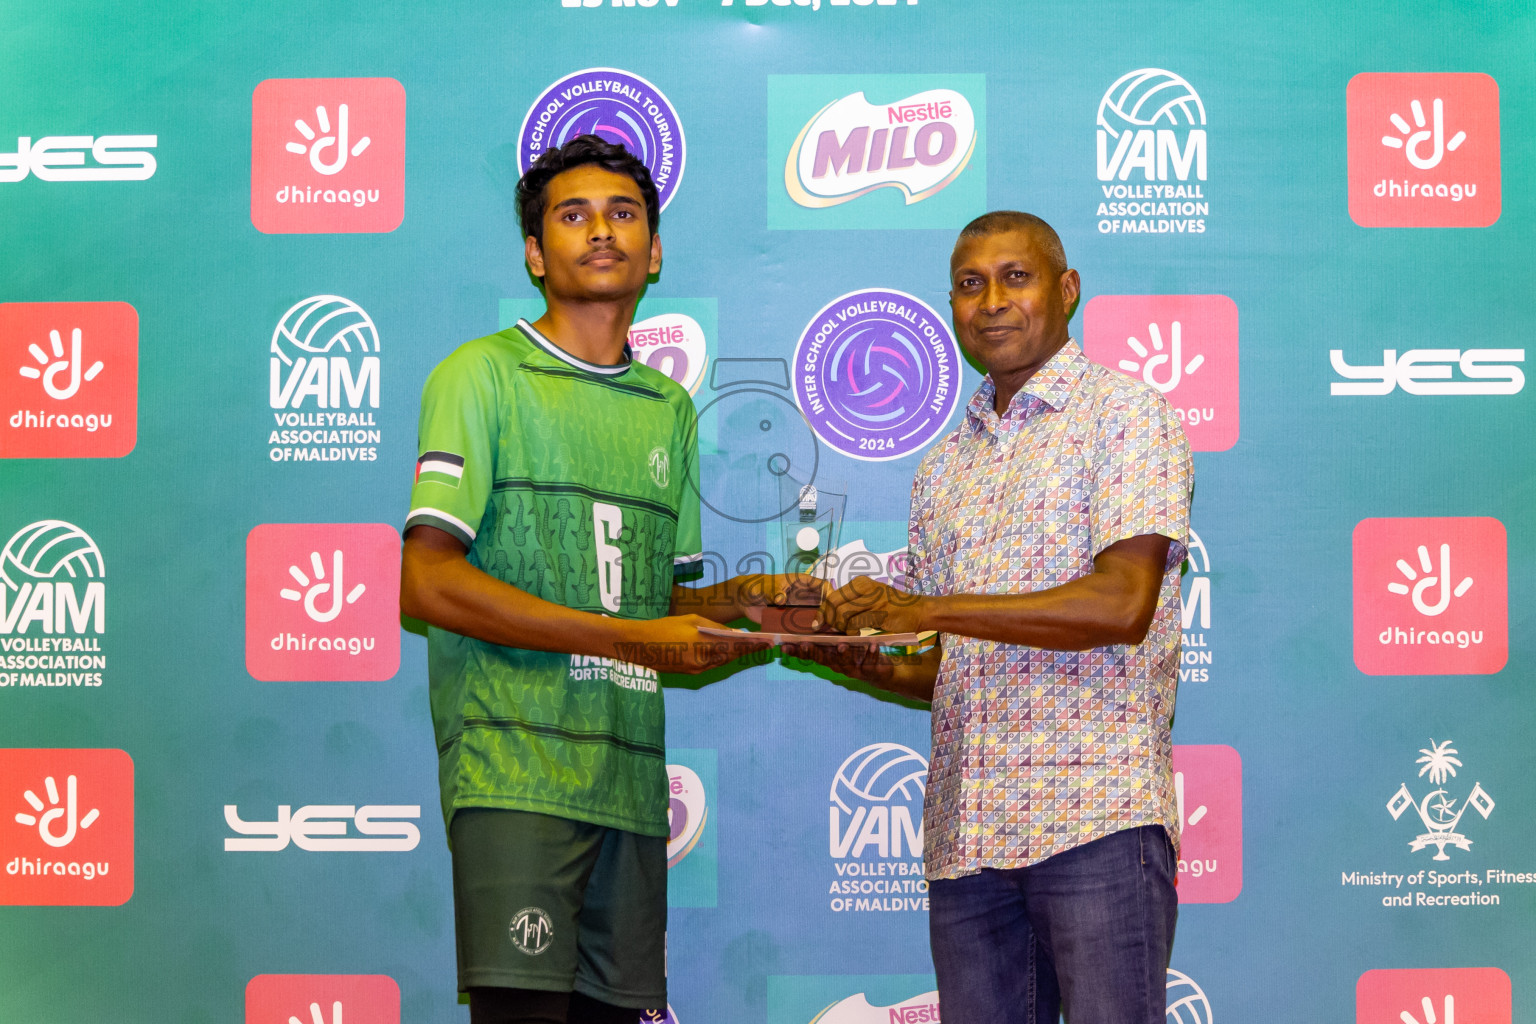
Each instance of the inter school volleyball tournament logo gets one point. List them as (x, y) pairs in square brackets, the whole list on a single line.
[(66, 837), (322, 999), (1151, 156), (666, 1016), (1435, 995), (616, 105), (1431, 596), (1208, 785), (327, 155), (321, 601), (69, 379), (877, 374), (1185, 346), (875, 830), (53, 607), (323, 383), (1424, 150)]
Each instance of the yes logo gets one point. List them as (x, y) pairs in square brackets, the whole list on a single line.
[(1208, 783), (1431, 596), (327, 155), (322, 999), (320, 602), (322, 828), (69, 379), (1437, 995), (66, 837), (1423, 150), (1185, 346)]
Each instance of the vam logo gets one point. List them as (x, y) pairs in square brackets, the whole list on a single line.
[(1151, 155), (322, 999), (1436, 995), (1431, 596), (1423, 150), (327, 155), (323, 828), (904, 150), (66, 838), (69, 383), (1196, 657), (1437, 809), (1431, 371), (875, 830), (63, 158), (1185, 346), (320, 601), (53, 607), (1208, 783), (323, 383), (1187, 1003)]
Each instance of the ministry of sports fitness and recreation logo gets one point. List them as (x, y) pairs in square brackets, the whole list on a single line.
[(875, 830), (1440, 813), (323, 383), (327, 155), (320, 601), (1432, 371), (1208, 785), (1433, 995), (877, 374), (1151, 156), (69, 379), (66, 833), (1423, 150), (875, 151), (53, 607), (1431, 596), (322, 999), (1185, 346), (619, 106), (81, 158)]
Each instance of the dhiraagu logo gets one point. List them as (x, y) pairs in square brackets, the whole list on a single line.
[(853, 999), (876, 151)]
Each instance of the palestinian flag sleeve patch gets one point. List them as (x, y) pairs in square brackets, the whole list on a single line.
[(440, 468)]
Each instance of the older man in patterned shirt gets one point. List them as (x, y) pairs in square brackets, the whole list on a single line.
[(1046, 538)]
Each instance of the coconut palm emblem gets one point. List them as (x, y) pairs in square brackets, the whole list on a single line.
[(1438, 810)]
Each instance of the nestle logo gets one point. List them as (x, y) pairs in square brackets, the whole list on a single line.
[(913, 112), (927, 1013)]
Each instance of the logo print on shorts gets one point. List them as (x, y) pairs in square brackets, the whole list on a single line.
[(619, 107), (877, 374), (532, 931)]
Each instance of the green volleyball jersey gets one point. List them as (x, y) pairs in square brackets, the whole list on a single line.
[(575, 483)]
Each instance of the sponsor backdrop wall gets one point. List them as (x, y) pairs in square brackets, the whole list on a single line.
[(238, 240)]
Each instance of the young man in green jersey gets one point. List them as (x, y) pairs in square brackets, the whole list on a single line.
[(555, 500)]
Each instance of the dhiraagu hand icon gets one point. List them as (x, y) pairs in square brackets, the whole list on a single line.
[(336, 142), (49, 814), (50, 369), (321, 589)]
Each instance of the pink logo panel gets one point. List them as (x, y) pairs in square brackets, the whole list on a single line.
[(327, 155), (322, 999), (1423, 150), (1439, 995), (66, 828), (1185, 346), (1431, 596), (1209, 783), (69, 380), (322, 601)]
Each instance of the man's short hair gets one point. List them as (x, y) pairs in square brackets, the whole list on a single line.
[(999, 221), (533, 187)]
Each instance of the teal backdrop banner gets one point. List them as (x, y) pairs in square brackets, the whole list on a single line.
[(239, 237)]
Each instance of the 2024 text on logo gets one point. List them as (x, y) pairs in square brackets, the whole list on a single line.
[(1430, 596), (69, 379), (66, 827), (320, 601)]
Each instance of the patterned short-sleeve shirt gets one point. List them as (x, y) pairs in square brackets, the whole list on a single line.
[(1038, 751)]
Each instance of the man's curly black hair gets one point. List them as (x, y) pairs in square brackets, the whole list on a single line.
[(532, 189)]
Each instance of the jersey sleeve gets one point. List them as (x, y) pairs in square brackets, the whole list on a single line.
[(688, 542), (1143, 473), (456, 445)]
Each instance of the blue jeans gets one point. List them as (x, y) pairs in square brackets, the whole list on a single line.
[(1089, 930)]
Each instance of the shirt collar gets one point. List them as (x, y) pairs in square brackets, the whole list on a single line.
[(1052, 385), (538, 339)]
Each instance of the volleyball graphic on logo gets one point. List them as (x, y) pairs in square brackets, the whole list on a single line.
[(49, 549), (879, 772), (324, 324), (1147, 97), (1186, 1002)]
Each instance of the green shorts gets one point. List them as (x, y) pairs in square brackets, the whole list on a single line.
[(557, 905)]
